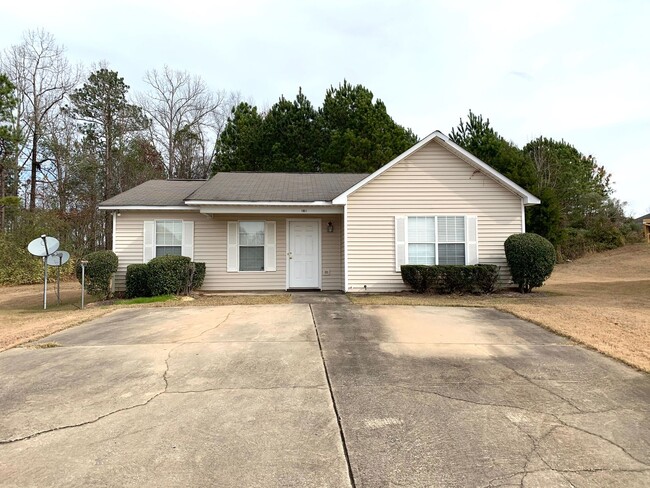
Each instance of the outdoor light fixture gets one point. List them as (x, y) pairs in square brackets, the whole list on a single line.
[(330, 227)]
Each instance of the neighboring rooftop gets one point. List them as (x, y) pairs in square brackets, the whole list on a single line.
[(238, 187), (167, 193), (642, 218)]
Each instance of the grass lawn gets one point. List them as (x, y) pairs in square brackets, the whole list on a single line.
[(601, 301)]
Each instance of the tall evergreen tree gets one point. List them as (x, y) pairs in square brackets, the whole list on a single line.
[(108, 121), (238, 146), (350, 133), (580, 184), (290, 136), (359, 134), (10, 138)]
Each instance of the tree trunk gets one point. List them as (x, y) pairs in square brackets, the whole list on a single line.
[(2, 195), (32, 196)]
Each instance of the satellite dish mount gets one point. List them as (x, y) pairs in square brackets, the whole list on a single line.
[(46, 248)]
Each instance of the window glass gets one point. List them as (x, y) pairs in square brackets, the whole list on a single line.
[(442, 235), (451, 254), (422, 229), (251, 246), (421, 238), (422, 254), (169, 237), (451, 229)]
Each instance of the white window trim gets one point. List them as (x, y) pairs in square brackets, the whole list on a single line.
[(437, 242)]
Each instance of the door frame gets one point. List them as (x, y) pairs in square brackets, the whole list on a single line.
[(318, 252)]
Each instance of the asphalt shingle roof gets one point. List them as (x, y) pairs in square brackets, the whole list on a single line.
[(275, 187), (239, 187), (155, 193)]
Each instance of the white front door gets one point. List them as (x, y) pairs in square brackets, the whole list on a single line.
[(304, 254)]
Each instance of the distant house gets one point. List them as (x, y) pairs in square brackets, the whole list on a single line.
[(434, 204), (645, 222)]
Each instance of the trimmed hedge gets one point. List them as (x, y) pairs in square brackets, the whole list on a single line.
[(445, 279), (99, 270), (165, 275), (199, 275), (531, 259), (137, 281)]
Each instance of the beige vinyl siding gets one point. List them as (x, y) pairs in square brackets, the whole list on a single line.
[(432, 181), (331, 253), (210, 247)]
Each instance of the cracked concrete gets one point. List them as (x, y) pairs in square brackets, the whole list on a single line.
[(469, 397), (224, 396), (298, 394)]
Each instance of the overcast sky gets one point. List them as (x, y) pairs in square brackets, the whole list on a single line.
[(573, 70)]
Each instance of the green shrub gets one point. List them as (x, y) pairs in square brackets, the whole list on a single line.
[(606, 237), (531, 259), (199, 275), (99, 270), (575, 244), (445, 279), (137, 281), (173, 275)]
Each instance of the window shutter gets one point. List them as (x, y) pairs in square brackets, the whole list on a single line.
[(233, 247), (400, 242), (149, 241), (187, 248), (471, 239), (269, 246)]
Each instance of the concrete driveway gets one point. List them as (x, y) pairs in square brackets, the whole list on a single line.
[(322, 395)]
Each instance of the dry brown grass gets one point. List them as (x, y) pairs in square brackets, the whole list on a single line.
[(601, 300), (22, 318)]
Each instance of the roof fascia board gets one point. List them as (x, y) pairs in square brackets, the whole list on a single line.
[(147, 207), (259, 204), (276, 210)]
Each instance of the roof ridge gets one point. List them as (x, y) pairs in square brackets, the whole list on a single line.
[(284, 173)]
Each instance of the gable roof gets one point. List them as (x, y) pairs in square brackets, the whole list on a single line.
[(235, 188), (278, 188), (642, 218), (274, 187), (528, 198), (155, 193)]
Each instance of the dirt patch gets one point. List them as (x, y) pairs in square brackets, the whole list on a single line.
[(600, 301)]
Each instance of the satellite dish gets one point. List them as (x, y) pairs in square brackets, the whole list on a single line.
[(43, 246), (58, 258)]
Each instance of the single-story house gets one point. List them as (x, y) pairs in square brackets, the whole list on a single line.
[(434, 204)]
